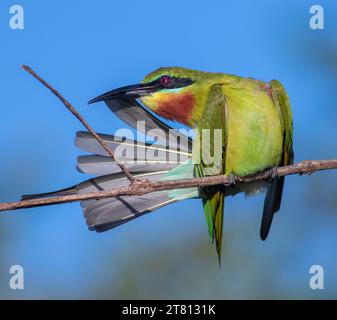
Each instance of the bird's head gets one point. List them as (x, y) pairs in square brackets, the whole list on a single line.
[(177, 95), (173, 93)]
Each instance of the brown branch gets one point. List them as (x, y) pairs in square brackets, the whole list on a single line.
[(143, 187), (82, 120)]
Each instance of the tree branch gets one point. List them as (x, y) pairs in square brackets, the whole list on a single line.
[(82, 120), (140, 187), (143, 187)]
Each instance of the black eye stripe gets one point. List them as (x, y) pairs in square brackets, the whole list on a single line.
[(174, 83)]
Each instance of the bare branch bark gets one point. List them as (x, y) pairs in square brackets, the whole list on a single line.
[(82, 120), (143, 187)]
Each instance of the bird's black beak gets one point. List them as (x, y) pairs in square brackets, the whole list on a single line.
[(130, 92)]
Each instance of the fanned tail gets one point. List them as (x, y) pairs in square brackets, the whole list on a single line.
[(105, 214)]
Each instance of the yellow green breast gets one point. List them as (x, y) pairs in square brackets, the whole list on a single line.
[(254, 131)]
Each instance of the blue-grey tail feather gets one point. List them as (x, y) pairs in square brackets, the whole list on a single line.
[(272, 204)]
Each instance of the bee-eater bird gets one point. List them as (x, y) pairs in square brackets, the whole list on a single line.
[(255, 121)]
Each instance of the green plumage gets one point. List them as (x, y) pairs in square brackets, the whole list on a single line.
[(214, 117)]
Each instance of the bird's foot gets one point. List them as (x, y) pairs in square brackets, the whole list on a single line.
[(274, 173), (232, 179)]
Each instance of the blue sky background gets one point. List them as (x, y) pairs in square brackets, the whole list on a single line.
[(86, 48)]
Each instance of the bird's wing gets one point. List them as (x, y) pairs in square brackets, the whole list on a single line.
[(139, 156), (213, 197), (281, 97), (104, 214), (100, 165), (274, 193), (130, 111)]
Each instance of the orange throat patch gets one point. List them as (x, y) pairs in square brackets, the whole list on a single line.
[(177, 107)]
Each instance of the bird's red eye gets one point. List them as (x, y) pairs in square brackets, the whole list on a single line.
[(165, 80)]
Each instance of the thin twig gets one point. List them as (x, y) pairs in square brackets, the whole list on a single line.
[(82, 120), (308, 166)]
